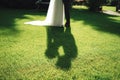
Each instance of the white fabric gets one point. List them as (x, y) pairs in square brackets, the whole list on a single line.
[(55, 15)]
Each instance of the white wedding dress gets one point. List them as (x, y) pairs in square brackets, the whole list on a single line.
[(55, 15)]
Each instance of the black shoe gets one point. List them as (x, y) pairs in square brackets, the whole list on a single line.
[(67, 25)]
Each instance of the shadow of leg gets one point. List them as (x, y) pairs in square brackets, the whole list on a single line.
[(51, 52), (64, 63)]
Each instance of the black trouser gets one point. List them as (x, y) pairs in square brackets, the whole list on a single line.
[(67, 10)]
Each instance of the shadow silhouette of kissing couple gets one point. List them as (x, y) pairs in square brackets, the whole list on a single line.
[(57, 37)]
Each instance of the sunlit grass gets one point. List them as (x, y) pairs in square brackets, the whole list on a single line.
[(111, 8), (89, 51)]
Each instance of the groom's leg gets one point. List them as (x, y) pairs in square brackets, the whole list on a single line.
[(67, 12)]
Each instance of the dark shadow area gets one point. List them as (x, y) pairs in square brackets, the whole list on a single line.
[(8, 17), (60, 36), (98, 21)]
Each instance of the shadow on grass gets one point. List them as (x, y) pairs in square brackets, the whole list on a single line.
[(98, 21), (61, 37), (8, 19)]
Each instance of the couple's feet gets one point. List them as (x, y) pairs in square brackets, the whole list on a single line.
[(67, 24)]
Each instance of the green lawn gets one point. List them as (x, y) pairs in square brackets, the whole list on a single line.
[(89, 50), (112, 8)]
